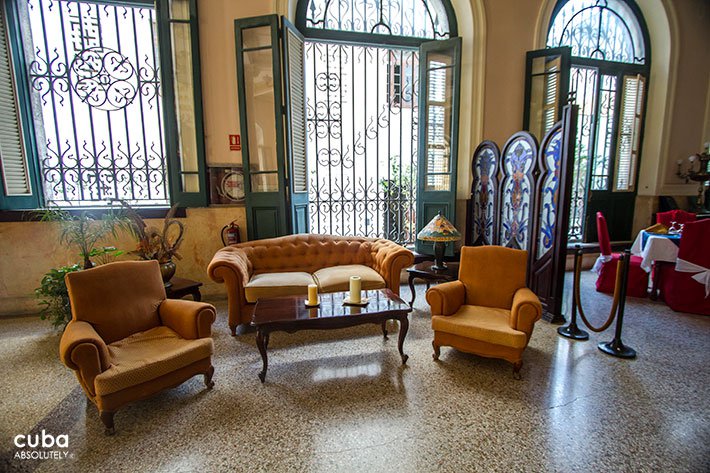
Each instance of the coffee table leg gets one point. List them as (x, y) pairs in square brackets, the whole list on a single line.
[(411, 288), (261, 342), (384, 329), (403, 327)]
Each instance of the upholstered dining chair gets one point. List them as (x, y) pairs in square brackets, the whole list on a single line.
[(126, 341), (677, 216), (488, 311), (685, 284), (607, 262)]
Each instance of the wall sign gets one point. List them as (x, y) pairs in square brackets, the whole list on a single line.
[(235, 143)]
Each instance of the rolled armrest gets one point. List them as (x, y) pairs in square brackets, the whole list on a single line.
[(389, 260), (83, 350), (446, 298), (231, 266), (191, 320), (526, 311)]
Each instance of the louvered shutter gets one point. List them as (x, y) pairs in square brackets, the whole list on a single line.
[(17, 181), (547, 73), (294, 87), (629, 132)]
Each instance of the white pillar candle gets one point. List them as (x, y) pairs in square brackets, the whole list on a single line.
[(355, 286), (312, 294)]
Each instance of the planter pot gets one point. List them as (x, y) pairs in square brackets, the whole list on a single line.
[(167, 269)]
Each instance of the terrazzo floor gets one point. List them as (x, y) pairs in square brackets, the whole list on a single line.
[(341, 401)]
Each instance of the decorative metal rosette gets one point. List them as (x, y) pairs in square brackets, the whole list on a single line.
[(103, 78)]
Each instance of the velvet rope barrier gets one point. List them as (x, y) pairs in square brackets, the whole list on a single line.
[(615, 302)]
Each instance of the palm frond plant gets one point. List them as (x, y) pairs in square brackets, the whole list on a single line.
[(154, 243)]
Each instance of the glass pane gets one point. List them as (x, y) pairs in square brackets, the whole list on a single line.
[(256, 37), (190, 183), (179, 9), (184, 97), (259, 83), (265, 182), (604, 130), (544, 94), (439, 104)]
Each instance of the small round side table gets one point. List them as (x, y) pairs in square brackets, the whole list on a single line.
[(424, 271)]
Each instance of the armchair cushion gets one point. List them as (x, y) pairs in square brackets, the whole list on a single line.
[(337, 278), (145, 356), (189, 319), (277, 284), (487, 324), (446, 298)]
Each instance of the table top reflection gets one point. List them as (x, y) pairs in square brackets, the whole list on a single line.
[(293, 308)]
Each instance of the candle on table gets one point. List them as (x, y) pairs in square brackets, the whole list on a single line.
[(355, 286), (312, 294)]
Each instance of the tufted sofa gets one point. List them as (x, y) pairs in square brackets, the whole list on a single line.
[(287, 265)]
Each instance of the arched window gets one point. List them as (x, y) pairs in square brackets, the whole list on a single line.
[(365, 64), (609, 69)]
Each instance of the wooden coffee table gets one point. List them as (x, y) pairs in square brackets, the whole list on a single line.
[(289, 314)]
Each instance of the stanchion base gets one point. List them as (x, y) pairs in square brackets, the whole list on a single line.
[(573, 332), (618, 349)]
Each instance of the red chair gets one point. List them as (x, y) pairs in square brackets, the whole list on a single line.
[(638, 278), (678, 216), (679, 289)]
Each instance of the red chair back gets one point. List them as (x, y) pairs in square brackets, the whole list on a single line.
[(603, 235), (678, 216), (695, 243)]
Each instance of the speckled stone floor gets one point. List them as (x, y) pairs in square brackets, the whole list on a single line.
[(341, 401)]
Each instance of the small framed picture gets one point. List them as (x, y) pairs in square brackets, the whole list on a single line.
[(227, 185)]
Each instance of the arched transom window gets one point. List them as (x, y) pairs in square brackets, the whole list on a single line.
[(606, 30), (426, 19)]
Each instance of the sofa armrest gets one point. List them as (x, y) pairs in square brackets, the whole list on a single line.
[(526, 311), (389, 259), (191, 320), (84, 351), (231, 266), (446, 298)]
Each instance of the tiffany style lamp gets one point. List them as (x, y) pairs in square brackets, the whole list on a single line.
[(440, 231)]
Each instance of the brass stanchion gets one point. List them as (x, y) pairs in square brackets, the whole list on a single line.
[(616, 347), (572, 330)]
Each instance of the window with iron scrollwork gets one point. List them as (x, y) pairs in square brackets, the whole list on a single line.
[(362, 81), (102, 127), (610, 61)]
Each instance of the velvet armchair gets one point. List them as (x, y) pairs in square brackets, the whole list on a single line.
[(126, 341), (488, 311)]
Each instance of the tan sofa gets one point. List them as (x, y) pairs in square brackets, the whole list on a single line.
[(287, 265)]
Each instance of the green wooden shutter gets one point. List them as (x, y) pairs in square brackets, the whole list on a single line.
[(439, 93), (20, 187), (629, 133), (182, 101), (261, 121), (296, 140)]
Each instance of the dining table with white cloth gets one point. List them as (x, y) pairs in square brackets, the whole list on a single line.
[(655, 247)]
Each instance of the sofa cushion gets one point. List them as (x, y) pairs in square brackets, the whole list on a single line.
[(337, 278), (277, 285), (487, 324), (145, 356)]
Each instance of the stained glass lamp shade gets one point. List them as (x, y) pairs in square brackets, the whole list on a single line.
[(440, 231)]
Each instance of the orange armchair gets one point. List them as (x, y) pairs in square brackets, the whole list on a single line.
[(126, 341), (488, 311)]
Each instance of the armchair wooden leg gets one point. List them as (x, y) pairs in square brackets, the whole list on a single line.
[(437, 352), (107, 419), (516, 369), (233, 328), (208, 377)]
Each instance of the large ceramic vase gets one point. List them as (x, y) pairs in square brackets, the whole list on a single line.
[(167, 269)]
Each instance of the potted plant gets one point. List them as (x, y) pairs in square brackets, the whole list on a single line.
[(154, 243)]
